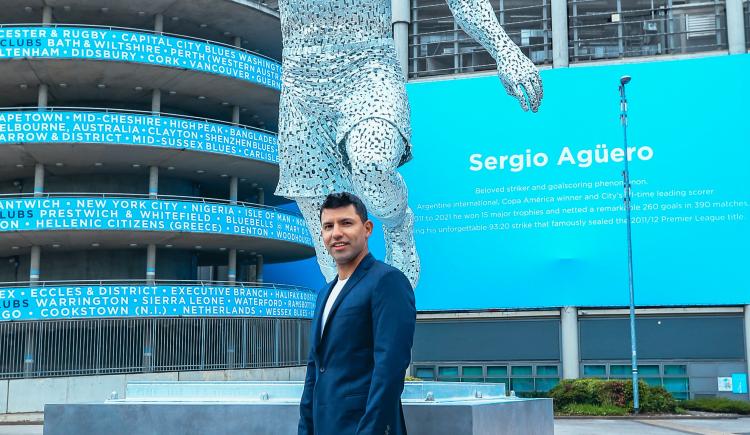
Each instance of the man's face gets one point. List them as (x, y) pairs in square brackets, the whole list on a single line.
[(344, 233)]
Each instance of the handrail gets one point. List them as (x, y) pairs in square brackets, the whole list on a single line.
[(201, 282), (153, 32), (146, 196), (138, 112)]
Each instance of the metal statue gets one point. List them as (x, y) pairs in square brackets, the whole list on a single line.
[(344, 114)]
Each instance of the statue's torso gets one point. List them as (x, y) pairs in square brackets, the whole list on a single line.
[(306, 23)]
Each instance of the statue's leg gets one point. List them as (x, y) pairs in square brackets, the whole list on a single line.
[(374, 147), (310, 208)]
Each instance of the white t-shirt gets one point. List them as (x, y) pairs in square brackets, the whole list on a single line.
[(331, 299)]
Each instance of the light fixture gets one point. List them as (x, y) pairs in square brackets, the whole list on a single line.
[(95, 245), (14, 247), (222, 249), (175, 18), (203, 25), (98, 164), (244, 109), (63, 85), (198, 247), (200, 171), (242, 180), (19, 166), (227, 33), (101, 86), (66, 8), (23, 86), (224, 103), (172, 92), (170, 168), (138, 88), (201, 97), (223, 175), (133, 245), (104, 10), (28, 9), (55, 245), (59, 164), (136, 165), (141, 13)]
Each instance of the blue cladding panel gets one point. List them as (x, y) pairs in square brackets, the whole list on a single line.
[(139, 47), (80, 302)]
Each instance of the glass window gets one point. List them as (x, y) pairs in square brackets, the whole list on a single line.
[(520, 371), (619, 370), (497, 371), (675, 370), (648, 370), (594, 371), (546, 370), (677, 385), (448, 374), (654, 382), (603, 29), (472, 374), (425, 373), (522, 385), (546, 384), (439, 46), (498, 375)]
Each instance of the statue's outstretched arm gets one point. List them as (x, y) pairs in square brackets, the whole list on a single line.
[(516, 71)]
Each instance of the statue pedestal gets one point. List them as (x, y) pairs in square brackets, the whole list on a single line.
[(272, 408)]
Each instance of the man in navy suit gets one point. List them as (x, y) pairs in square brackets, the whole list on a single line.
[(362, 333)]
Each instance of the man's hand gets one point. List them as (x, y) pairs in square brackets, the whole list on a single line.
[(521, 79)]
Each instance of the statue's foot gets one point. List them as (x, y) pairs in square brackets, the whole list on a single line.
[(400, 249)]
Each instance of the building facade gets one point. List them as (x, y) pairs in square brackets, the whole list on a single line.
[(684, 346), (138, 157)]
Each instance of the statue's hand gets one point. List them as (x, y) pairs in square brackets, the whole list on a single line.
[(519, 75)]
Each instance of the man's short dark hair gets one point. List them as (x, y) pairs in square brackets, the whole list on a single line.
[(345, 199)]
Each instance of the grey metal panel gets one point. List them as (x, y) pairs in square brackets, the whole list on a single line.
[(667, 337), (497, 340)]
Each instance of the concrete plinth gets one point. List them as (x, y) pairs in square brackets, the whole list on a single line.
[(528, 417), (272, 408)]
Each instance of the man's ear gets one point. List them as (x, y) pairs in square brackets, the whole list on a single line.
[(369, 226)]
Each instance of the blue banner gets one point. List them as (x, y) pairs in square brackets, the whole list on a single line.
[(134, 214), (522, 210), (139, 47), (95, 301), (141, 130)]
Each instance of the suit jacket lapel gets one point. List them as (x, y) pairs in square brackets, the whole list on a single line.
[(318, 318), (358, 274)]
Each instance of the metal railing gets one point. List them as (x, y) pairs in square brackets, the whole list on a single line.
[(133, 29), (135, 112), (108, 346), (605, 30), (145, 196)]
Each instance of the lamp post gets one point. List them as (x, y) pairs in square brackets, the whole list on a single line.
[(624, 80)]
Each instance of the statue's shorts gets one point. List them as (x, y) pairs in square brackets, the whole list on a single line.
[(326, 92)]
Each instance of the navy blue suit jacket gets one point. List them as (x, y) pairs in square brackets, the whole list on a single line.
[(355, 372)]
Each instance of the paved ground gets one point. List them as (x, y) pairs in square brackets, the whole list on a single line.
[(576, 427), (652, 427)]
